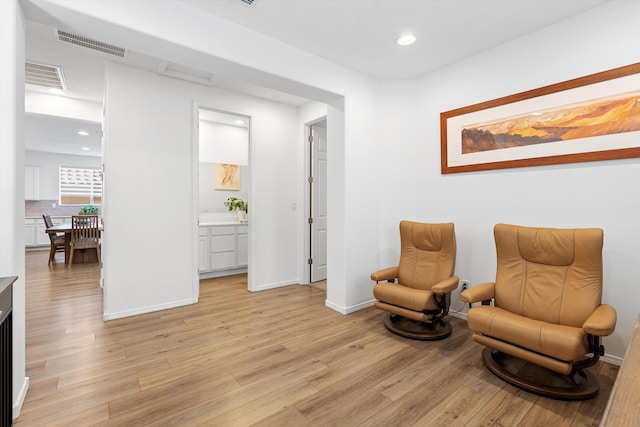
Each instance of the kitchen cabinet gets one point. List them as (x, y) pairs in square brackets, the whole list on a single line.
[(223, 250), (34, 231), (29, 233), (41, 237), (31, 183)]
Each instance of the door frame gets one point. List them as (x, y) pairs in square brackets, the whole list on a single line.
[(307, 196), (195, 157)]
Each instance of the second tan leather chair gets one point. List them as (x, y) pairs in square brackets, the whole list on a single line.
[(545, 324)]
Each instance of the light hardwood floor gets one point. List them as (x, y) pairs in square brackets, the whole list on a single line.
[(272, 358)]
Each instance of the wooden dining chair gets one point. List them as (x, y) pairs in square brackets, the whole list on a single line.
[(85, 234), (57, 241)]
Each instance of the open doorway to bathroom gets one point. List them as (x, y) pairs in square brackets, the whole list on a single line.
[(223, 193)]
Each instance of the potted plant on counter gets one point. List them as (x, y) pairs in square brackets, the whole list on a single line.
[(238, 205), (89, 210)]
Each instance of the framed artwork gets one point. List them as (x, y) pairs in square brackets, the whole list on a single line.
[(226, 176), (596, 117)]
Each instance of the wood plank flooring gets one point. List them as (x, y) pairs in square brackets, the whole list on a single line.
[(272, 358)]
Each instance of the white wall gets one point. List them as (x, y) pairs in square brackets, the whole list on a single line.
[(12, 49), (596, 194), (49, 164), (221, 143), (160, 160), (148, 168), (212, 200)]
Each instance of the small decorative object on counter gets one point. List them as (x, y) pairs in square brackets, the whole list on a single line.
[(238, 205)]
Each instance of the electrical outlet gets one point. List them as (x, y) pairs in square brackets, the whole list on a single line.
[(465, 284)]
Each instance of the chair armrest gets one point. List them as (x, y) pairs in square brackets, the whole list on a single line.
[(385, 274), (445, 286), (602, 321), (482, 292)]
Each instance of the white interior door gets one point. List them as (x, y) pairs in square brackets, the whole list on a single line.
[(318, 201)]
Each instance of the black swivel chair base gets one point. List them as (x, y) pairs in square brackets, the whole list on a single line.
[(539, 380), (425, 331)]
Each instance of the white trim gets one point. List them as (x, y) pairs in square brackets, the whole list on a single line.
[(458, 314), (149, 309), (222, 273), (614, 360), (17, 404), (306, 212), (349, 310), (275, 285), (195, 199)]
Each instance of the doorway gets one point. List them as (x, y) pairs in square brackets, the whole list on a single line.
[(317, 138), (223, 192)]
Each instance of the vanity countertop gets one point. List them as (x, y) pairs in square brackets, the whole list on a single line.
[(209, 223), (207, 219)]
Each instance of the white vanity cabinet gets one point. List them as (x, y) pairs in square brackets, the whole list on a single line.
[(222, 249), (203, 249), (243, 245)]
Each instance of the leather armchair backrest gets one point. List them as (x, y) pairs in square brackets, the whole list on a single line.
[(549, 274), (427, 254)]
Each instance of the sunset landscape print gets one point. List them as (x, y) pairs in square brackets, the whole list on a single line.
[(588, 119)]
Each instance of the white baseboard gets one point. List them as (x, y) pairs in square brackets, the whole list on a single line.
[(221, 273), (148, 309), (459, 314), (17, 405), (275, 285), (347, 310), (614, 360)]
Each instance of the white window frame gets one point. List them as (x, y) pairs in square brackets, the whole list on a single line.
[(79, 182)]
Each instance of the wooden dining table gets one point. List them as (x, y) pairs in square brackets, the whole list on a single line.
[(65, 227)]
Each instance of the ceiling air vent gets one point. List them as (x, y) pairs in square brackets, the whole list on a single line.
[(42, 75), (91, 44), (249, 2), (183, 72)]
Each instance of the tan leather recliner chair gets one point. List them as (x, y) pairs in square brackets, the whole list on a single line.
[(546, 310), (417, 292)]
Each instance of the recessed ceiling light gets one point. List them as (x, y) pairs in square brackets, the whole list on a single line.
[(85, 148), (406, 40), (238, 122), (83, 132)]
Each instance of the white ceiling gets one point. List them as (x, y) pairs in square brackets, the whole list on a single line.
[(60, 135), (362, 34), (357, 34)]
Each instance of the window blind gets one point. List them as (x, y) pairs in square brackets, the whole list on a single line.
[(80, 186)]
